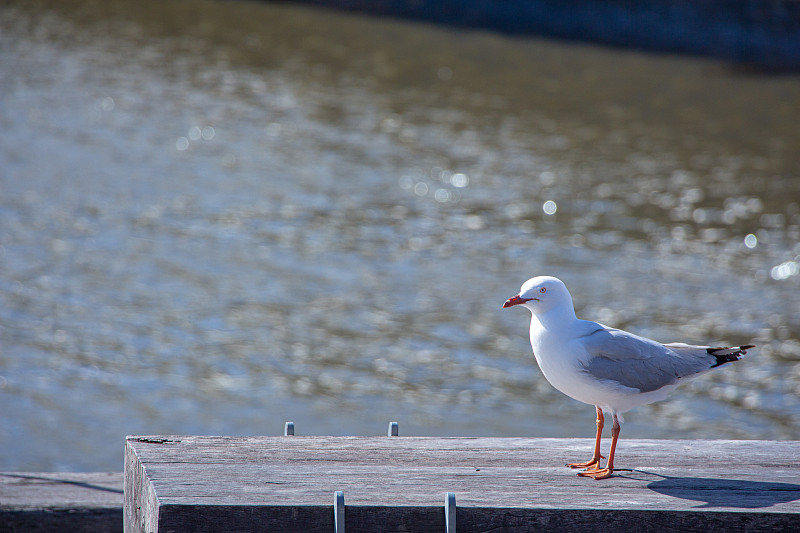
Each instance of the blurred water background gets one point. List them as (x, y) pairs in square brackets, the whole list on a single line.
[(219, 216)]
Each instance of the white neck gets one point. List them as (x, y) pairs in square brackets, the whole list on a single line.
[(557, 317), (564, 311)]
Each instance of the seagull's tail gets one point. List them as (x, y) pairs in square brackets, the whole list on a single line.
[(729, 354)]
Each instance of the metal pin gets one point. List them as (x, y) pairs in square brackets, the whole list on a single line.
[(393, 429), (450, 512), (338, 511), (288, 429)]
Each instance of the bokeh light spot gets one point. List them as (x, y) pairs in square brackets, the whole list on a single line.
[(459, 180)]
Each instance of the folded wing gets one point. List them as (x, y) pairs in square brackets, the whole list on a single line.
[(639, 363)]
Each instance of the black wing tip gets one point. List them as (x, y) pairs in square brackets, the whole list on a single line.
[(729, 354)]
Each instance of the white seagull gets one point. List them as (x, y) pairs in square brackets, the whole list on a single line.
[(609, 368)]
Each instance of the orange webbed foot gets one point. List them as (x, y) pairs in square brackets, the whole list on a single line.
[(601, 473), (594, 461)]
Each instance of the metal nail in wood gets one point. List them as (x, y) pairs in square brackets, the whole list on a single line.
[(450, 512), (338, 511)]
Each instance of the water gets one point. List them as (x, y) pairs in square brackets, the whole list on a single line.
[(219, 216)]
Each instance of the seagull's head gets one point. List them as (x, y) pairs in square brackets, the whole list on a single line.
[(540, 294)]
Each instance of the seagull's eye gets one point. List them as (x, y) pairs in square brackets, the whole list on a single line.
[(543, 290)]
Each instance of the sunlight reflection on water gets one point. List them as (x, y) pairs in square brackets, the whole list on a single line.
[(317, 217)]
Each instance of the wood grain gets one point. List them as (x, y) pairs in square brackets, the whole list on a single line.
[(188, 483)]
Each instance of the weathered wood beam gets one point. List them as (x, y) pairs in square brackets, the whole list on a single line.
[(54, 502), (501, 484)]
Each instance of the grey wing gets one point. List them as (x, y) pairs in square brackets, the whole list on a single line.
[(640, 363)]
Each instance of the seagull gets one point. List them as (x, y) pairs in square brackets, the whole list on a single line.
[(606, 367)]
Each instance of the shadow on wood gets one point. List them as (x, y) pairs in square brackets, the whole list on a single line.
[(56, 479), (737, 493)]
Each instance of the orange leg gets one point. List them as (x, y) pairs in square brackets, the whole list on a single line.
[(603, 473), (593, 462)]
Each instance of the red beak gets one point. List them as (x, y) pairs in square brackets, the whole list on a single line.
[(516, 300)]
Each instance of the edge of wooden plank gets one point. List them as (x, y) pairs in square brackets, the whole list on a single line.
[(376, 519), (140, 504)]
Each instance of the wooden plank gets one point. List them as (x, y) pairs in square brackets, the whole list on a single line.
[(501, 484), (57, 502)]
